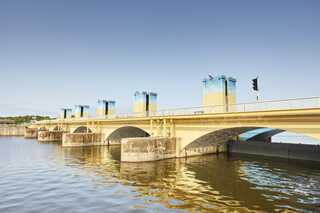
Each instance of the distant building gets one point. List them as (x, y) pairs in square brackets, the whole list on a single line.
[(4, 122)]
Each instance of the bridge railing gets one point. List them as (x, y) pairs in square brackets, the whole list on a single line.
[(284, 104)]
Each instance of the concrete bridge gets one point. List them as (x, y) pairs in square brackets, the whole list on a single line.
[(194, 131)]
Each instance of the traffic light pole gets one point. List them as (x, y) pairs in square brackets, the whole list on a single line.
[(258, 88)]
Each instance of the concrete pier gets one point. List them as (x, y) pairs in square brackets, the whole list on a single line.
[(158, 148), (31, 133), (82, 139), (204, 150), (149, 149), (47, 136), (12, 130), (113, 143)]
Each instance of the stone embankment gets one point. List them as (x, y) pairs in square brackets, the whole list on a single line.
[(8, 130)]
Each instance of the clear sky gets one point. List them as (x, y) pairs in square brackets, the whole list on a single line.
[(60, 53)]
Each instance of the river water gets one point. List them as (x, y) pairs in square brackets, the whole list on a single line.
[(44, 177)]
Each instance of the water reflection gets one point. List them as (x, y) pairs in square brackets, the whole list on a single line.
[(211, 183)]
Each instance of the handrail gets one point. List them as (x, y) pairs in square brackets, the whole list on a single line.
[(295, 103)]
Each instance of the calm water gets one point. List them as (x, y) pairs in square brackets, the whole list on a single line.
[(44, 177)]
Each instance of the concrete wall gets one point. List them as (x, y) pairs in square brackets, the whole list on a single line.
[(204, 150), (82, 139), (158, 148), (12, 130), (148, 149), (295, 151), (46, 136)]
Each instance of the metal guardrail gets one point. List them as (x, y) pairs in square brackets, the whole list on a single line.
[(284, 104)]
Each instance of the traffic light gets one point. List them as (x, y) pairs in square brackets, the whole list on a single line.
[(255, 84)]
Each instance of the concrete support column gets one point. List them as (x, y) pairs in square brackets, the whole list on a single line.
[(50, 136), (31, 133), (149, 149), (82, 139)]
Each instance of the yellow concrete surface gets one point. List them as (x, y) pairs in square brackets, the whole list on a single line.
[(111, 111), (214, 99), (77, 114), (101, 112), (191, 127), (152, 107)]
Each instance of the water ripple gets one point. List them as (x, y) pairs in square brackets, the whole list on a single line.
[(48, 178)]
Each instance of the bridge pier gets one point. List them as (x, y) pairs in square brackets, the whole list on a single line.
[(149, 149), (82, 139), (158, 148), (48, 136), (113, 142), (30, 133), (204, 150)]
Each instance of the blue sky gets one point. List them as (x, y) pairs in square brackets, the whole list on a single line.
[(60, 53)]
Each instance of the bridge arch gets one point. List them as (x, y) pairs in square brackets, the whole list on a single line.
[(82, 129), (220, 137), (126, 132), (42, 128), (57, 128), (265, 136)]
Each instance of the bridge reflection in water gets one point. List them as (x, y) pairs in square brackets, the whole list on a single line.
[(206, 183)]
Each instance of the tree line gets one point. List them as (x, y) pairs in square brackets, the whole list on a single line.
[(26, 119)]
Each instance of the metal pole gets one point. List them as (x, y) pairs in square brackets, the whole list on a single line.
[(258, 88)]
